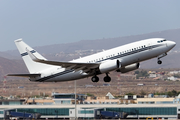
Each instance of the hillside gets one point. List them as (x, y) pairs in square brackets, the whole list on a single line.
[(11, 62), (99, 44), (11, 66), (119, 85)]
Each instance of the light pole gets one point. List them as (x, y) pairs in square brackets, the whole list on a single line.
[(75, 100)]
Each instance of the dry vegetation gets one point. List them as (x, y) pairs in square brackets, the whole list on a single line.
[(118, 86)]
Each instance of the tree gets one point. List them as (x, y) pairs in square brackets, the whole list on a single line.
[(177, 75), (142, 92), (136, 72), (174, 93), (141, 74), (130, 94), (89, 94)]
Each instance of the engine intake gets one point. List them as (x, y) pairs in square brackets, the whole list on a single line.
[(109, 66)]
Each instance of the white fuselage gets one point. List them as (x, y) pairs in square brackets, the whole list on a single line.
[(127, 54)]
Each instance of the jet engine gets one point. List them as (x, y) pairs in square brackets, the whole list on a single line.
[(108, 66), (129, 68)]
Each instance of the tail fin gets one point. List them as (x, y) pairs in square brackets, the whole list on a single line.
[(32, 66)]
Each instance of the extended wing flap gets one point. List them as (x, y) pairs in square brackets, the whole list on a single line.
[(24, 75)]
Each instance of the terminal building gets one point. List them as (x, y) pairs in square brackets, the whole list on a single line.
[(63, 106), (134, 111)]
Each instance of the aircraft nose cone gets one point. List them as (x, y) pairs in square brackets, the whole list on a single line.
[(171, 44)]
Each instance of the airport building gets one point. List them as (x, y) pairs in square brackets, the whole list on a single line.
[(134, 111), (155, 100), (63, 106)]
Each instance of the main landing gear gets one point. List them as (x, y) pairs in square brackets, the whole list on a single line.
[(96, 79), (107, 78)]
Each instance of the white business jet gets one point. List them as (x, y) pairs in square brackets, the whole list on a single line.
[(121, 59)]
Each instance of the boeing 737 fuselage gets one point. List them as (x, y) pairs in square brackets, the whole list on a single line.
[(121, 59)]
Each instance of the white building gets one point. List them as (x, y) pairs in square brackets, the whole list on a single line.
[(172, 78)]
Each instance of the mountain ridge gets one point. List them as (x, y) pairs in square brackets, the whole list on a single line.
[(11, 62), (106, 43)]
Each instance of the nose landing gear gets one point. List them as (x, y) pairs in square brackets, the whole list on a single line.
[(160, 56)]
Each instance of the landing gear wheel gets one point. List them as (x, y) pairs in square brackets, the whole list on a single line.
[(94, 79), (159, 62), (107, 79)]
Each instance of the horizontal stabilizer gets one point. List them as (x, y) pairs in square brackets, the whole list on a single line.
[(25, 75)]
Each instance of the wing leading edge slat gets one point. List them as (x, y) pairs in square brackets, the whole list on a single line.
[(69, 65)]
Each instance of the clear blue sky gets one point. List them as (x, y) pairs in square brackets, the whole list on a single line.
[(43, 22)]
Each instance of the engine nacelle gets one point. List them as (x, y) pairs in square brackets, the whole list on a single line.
[(129, 68), (109, 66)]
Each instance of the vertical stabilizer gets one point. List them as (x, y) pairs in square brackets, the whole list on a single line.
[(32, 66)]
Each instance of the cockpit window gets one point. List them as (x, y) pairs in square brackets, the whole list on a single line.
[(161, 41)]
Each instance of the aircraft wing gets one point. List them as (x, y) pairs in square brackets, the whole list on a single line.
[(24, 75), (86, 67)]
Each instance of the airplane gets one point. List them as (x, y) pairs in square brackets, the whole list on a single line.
[(121, 59)]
